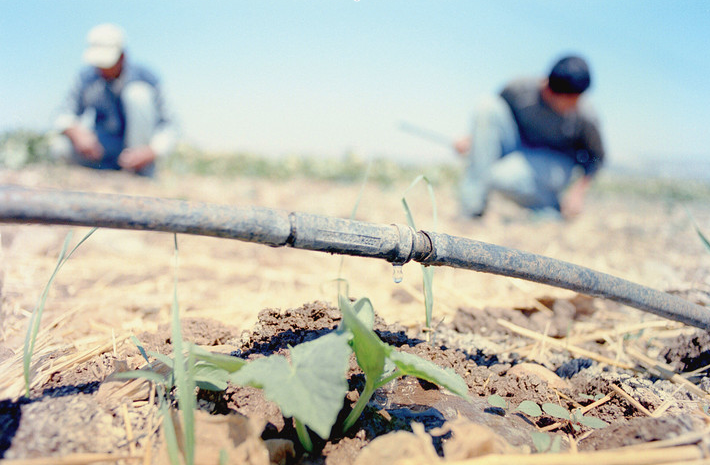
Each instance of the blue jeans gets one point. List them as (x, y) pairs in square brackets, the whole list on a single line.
[(498, 161), (138, 102)]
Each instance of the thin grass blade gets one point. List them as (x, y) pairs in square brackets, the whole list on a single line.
[(427, 271), (36, 318), (702, 236), (141, 374), (185, 386)]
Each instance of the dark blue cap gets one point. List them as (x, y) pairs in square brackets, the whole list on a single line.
[(570, 75)]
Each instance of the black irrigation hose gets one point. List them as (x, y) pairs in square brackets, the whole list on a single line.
[(395, 243)]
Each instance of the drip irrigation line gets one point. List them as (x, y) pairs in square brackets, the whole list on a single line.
[(395, 243)]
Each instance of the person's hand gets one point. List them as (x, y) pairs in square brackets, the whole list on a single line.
[(573, 202), (462, 146), (572, 205), (85, 143), (136, 158)]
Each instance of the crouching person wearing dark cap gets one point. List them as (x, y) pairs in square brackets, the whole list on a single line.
[(537, 142)]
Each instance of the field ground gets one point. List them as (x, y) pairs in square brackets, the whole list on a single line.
[(120, 283)]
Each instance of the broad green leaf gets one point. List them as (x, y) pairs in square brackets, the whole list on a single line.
[(365, 312), (530, 408), (311, 388), (211, 377), (497, 401), (226, 362), (369, 349), (424, 369), (555, 410), (593, 422), (556, 445), (541, 441)]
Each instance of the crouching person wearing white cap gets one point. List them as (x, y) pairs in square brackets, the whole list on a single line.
[(114, 116)]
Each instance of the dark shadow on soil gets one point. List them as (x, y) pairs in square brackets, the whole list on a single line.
[(283, 340), (10, 415), (291, 338), (11, 411), (69, 390), (479, 358)]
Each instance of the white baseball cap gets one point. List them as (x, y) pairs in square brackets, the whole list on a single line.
[(105, 45)]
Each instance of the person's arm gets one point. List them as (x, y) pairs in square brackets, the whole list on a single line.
[(463, 145), (573, 202), (85, 142), (592, 150), (161, 144), (136, 158)]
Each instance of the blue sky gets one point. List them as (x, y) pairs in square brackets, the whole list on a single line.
[(323, 77)]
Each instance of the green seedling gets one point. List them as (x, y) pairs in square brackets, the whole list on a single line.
[(182, 378), (575, 417), (427, 271), (190, 367), (311, 386), (381, 363), (184, 371), (36, 318), (203, 369), (544, 442), (527, 407), (498, 402)]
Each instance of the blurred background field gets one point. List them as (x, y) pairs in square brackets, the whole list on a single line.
[(637, 228), (21, 148)]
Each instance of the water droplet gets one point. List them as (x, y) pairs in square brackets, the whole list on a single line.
[(397, 274)]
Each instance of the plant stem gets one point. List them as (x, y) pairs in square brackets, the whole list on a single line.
[(303, 435), (359, 405)]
